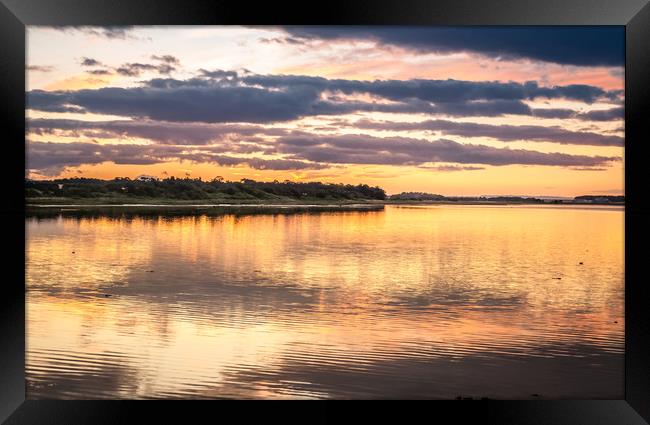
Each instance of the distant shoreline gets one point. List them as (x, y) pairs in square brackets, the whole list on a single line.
[(164, 202), (43, 211), (81, 210), (150, 191)]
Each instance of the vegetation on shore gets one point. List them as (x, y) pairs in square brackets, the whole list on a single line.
[(179, 191), (174, 191), (93, 211), (428, 197)]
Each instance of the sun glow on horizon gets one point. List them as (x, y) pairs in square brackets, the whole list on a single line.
[(302, 104)]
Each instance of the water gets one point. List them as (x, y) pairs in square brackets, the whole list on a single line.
[(408, 302)]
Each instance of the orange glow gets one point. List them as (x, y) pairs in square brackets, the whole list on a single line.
[(240, 48), (228, 293)]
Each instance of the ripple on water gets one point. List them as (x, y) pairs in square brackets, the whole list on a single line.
[(431, 302)]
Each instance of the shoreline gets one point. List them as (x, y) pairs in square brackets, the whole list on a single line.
[(222, 209), (89, 210), (165, 203)]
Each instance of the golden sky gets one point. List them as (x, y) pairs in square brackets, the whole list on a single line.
[(455, 111)]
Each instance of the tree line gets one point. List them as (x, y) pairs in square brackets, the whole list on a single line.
[(196, 188)]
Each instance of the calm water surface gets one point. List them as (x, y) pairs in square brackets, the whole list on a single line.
[(410, 302)]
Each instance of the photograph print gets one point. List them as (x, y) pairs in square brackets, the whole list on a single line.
[(325, 212)]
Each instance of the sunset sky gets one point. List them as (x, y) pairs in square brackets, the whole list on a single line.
[(448, 110)]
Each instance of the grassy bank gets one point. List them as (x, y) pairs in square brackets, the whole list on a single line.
[(140, 200), (90, 210), (284, 201)]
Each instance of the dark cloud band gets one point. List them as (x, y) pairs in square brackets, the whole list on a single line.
[(505, 133), (224, 97), (581, 46), (201, 133), (363, 149), (156, 131), (49, 158), (303, 151)]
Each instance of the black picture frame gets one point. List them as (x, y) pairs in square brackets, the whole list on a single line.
[(633, 14)]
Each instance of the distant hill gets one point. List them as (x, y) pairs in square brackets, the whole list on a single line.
[(599, 199), (585, 199), (416, 196), (420, 196)]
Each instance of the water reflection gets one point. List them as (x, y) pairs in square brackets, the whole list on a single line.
[(431, 302)]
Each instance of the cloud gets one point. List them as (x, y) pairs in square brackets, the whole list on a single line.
[(169, 59), (588, 169), (202, 142), (439, 91), (451, 168), (201, 104), (612, 114), (224, 144), (99, 72), (218, 74), (40, 68), (90, 62), (110, 32), (281, 40), (505, 133), (165, 67), (559, 113), (158, 131), (51, 102), (202, 133), (48, 158), (225, 96), (580, 46), (604, 115), (363, 149), (135, 69)]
